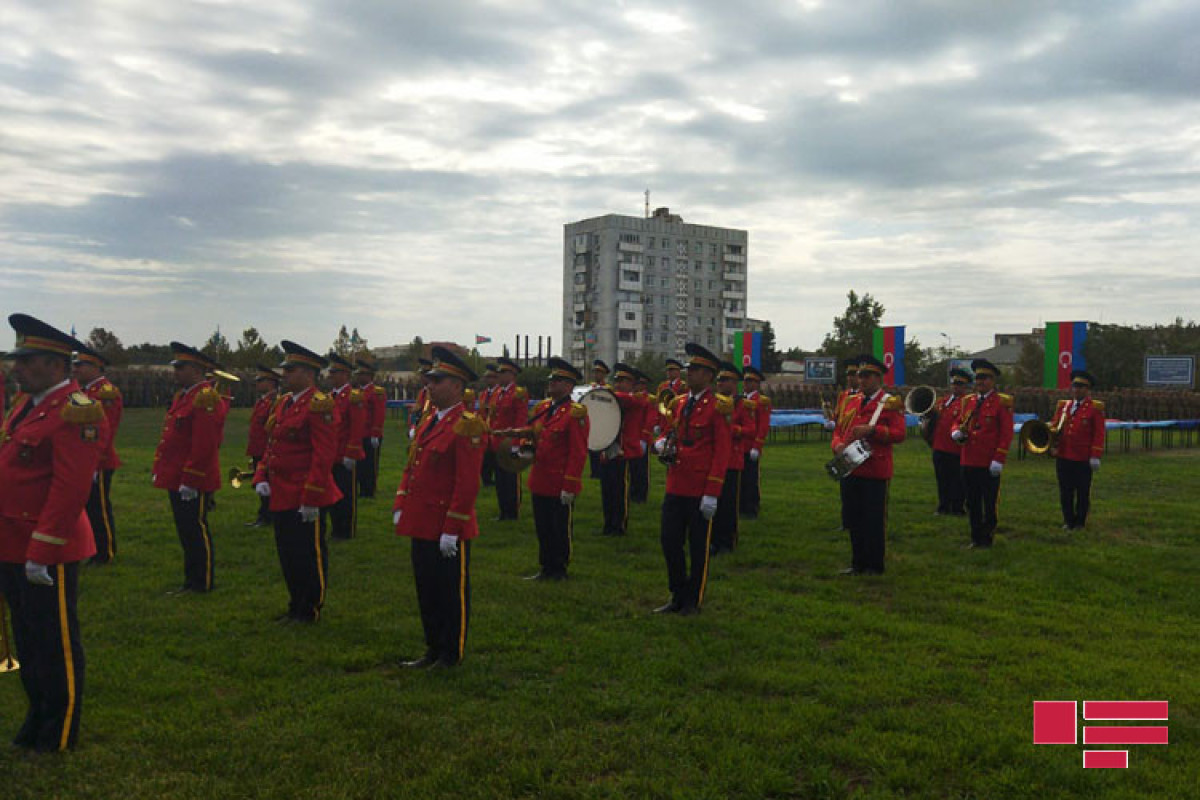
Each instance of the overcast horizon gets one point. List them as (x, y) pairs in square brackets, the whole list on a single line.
[(407, 168)]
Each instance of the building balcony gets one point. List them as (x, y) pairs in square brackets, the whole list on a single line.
[(734, 258), (737, 295), (629, 286), (732, 276), (579, 307), (581, 268), (582, 247), (629, 247)]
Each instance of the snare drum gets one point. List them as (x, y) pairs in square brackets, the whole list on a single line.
[(850, 459)]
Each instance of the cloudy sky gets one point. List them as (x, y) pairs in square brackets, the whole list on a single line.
[(406, 167)]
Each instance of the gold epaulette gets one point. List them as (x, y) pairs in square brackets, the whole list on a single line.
[(578, 411), (1098, 405), (82, 410), (321, 403), (724, 405), (521, 393), (749, 404), (764, 401), (542, 405), (469, 396), (380, 390), (472, 426), (356, 397), (677, 401), (207, 398), (108, 391), (893, 403), (1006, 400)]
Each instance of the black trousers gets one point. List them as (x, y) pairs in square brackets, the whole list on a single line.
[(952, 495), (685, 532), (508, 493), (304, 559), (264, 503), (487, 472), (750, 501), (866, 509), (845, 502), (368, 468), (614, 495), (100, 514), (594, 463), (983, 493), (45, 626), (444, 597), (725, 521), (342, 516), (191, 523), (1074, 490), (639, 479), (554, 523)]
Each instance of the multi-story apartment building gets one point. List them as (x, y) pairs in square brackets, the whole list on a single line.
[(634, 285)]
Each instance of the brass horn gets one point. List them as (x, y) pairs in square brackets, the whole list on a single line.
[(1037, 437), (920, 400), (239, 476)]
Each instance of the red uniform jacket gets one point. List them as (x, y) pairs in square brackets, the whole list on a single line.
[(676, 386), (561, 437), (46, 467), (109, 397), (187, 454), (437, 492), (256, 444), (633, 422), (889, 430), (375, 400), (510, 408), (846, 409), (1081, 435), (652, 420), (352, 423), (420, 407), (300, 452), (761, 405), (988, 424), (704, 444), (743, 430), (949, 410)]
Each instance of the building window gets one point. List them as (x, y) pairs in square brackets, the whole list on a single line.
[(580, 278), (681, 248), (697, 285), (712, 303), (733, 249), (651, 242), (627, 335), (666, 243), (630, 316), (712, 250), (666, 262), (650, 259), (681, 264), (712, 266), (632, 276), (699, 302), (666, 282), (631, 238), (649, 319), (699, 250)]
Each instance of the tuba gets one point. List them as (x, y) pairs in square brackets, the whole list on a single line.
[(922, 401)]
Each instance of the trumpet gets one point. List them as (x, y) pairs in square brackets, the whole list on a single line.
[(8, 662), (670, 451), (239, 476)]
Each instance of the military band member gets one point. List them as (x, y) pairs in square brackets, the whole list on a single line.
[(88, 368), (375, 402), (946, 452), (614, 462), (984, 430), (1079, 448), (50, 447), (843, 415), (697, 436), (435, 507), (297, 476), (510, 409), (639, 468), (348, 452), (490, 377), (751, 497), (673, 381), (420, 406), (743, 429), (187, 462), (266, 384), (879, 421), (560, 431)]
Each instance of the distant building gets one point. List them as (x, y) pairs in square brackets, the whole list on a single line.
[(634, 285), (1006, 348)]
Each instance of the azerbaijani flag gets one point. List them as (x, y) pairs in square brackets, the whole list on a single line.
[(889, 348), (747, 349), (1064, 352), (482, 339)]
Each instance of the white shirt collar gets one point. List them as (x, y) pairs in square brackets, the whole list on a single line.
[(38, 398), (443, 412)]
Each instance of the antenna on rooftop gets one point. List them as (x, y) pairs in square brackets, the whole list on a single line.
[(647, 204)]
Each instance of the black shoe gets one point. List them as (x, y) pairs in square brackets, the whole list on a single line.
[(537, 576), (427, 660), (670, 608), (689, 610), (443, 663), (850, 571), (979, 546), (96, 561), (180, 590)]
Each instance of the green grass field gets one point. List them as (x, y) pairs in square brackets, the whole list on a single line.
[(793, 682)]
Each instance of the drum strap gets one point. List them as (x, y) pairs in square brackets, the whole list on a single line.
[(878, 410)]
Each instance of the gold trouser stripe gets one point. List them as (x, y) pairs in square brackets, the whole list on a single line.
[(104, 512), (320, 568), (625, 502), (354, 499), (887, 493), (737, 508), (462, 600), (68, 657), (378, 451), (704, 572), (202, 515), (570, 530)]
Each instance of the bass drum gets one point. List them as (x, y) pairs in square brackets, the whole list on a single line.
[(604, 414)]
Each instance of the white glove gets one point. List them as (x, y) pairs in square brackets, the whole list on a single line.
[(643, 444), (412, 432), (448, 545), (754, 454), (566, 497), (348, 463), (262, 489), (309, 513), (958, 436), (153, 478), (396, 516), (37, 573), (830, 425), (659, 444), (995, 469), (657, 430), (374, 441), (1094, 463), (96, 476), (187, 493), (708, 506)]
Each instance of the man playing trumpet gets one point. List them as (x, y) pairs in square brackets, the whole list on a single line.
[(1080, 444), (984, 430), (946, 452)]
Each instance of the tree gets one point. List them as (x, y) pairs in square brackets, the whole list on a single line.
[(1028, 369), (416, 350), (357, 343), (108, 345), (343, 345), (854, 332), (252, 350), (772, 359), (147, 353), (217, 347)]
